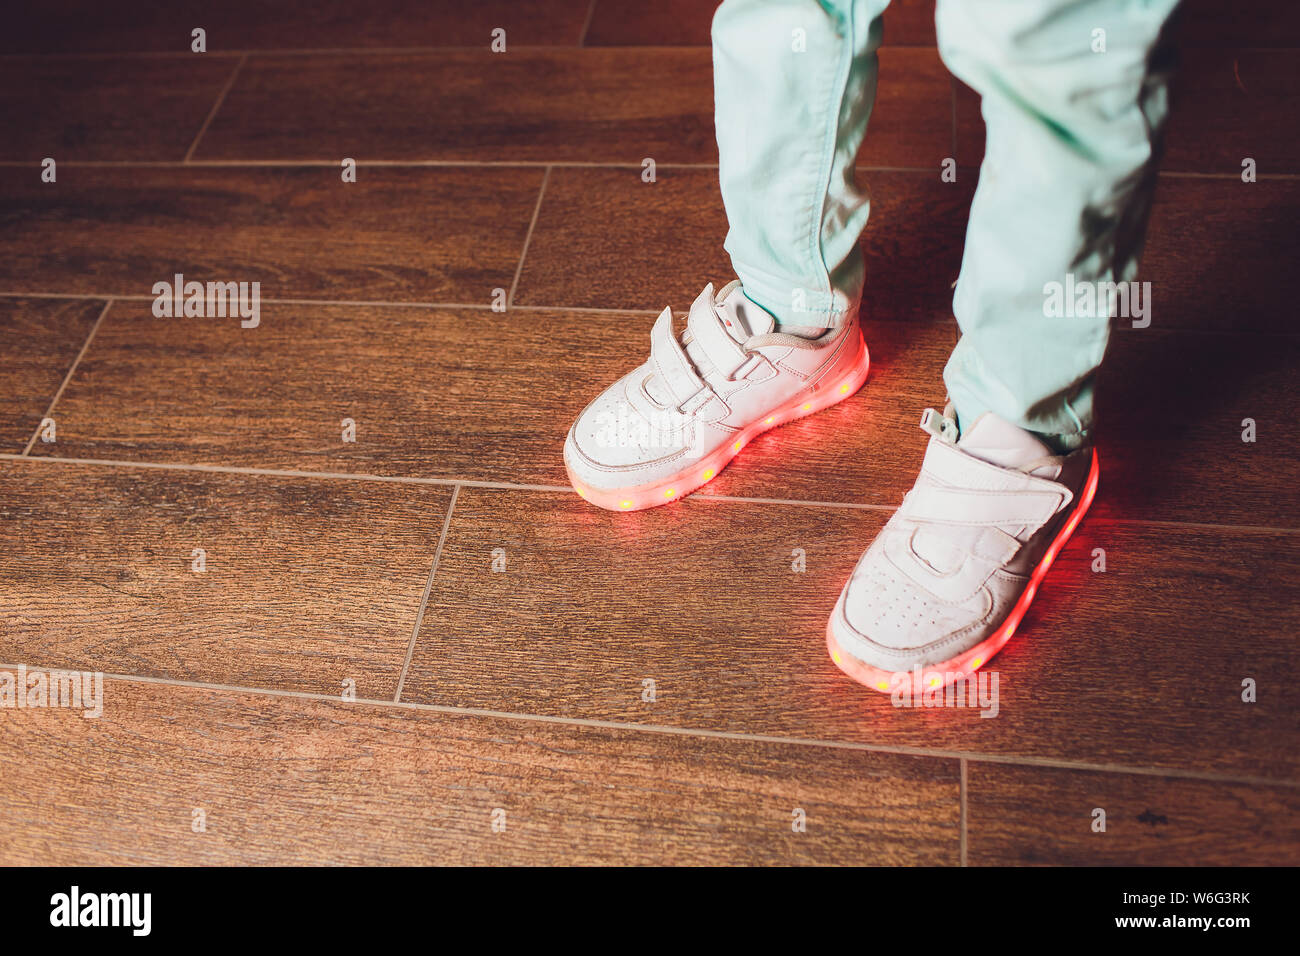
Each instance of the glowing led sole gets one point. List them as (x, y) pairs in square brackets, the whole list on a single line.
[(965, 664), (706, 469)]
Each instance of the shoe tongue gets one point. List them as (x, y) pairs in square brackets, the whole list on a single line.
[(740, 316), (741, 319), (1000, 443)]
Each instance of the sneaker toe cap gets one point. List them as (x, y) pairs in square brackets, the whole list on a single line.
[(614, 444), (886, 620)]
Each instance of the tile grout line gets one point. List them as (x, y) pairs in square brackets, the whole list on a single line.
[(697, 498), (405, 163), (428, 588), (528, 238), (963, 811), (585, 310), (1047, 763), (586, 24), (360, 303), (68, 378), (286, 473), (221, 98)]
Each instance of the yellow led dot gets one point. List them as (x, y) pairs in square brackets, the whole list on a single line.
[(836, 657), (670, 492), (883, 685), (708, 474), (933, 681), (977, 662), (807, 406), (736, 446), (844, 389), (625, 504), (770, 420)]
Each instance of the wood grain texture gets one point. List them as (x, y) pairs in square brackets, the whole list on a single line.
[(1019, 816), (687, 22), (308, 583), (1172, 411), (1209, 23), (911, 121), (1171, 405), (39, 341), (1227, 105), (312, 582), (436, 393), (1217, 250), (578, 105), (526, 104), (1230, 104), (286, 781), (115, 108), (866, 450), (421, 234), (70, 26), (445, 393), (475, 395), (1140, 665), (606, 239)]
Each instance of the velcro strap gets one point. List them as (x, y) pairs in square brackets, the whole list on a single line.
[(723, 352), (670, 361), (995, 546), (1000, 509)]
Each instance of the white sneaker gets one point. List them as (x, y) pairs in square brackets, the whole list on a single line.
[(949, 577), (674, 423)]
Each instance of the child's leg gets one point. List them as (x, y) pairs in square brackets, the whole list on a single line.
[(1063, 198), (794, 83), (1074, 97)]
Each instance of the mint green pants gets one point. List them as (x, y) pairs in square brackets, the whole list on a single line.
[(1074, 96)]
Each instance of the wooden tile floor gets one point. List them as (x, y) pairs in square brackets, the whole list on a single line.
[(418, 646)]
